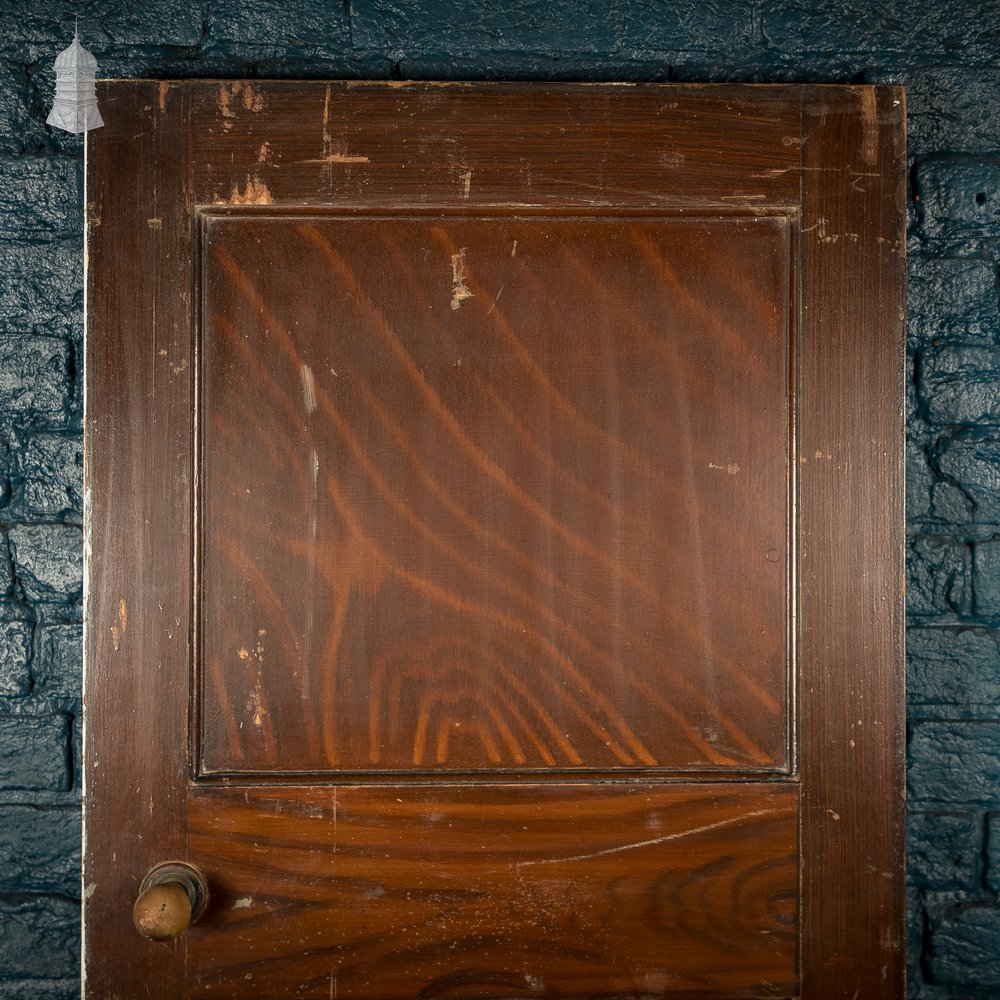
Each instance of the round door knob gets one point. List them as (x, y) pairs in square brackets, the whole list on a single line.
[(172, 896)]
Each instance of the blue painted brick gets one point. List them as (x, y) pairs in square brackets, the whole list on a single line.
[(960, 384), (950, 299), (15, 656), (40, 938), (919, 482), (277, 29), (17, 129), (943, 850), (40, 292), (952, 108), (41, 989), (113, 24), (971, 461), (956, 762), (955, 668), (40, 849), (911, 33), (34, 754), (34, 379), (454, 27), (993, 851), (48, 561), (986, 578), (938, 577), (960, 200), (669, 28), (58, 669), (49, 471), (41, 197), (964, 944)]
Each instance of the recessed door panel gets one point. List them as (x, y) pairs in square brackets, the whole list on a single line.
[(494, 494)]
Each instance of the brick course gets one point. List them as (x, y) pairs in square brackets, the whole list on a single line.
[(947, 56)]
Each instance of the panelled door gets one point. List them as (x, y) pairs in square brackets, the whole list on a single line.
[(493, 522)]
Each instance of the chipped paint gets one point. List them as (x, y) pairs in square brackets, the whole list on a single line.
[(243, 903), (459, 290), (118, 631), (255, 193), (236, 95), (255, 662)]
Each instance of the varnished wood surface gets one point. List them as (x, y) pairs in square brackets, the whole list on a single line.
[(498, 463), (460, 145), (137, 540), (291, 153), (503, 891), (850, 541)]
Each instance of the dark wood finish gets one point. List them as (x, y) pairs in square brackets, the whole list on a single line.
[(499, 462), (458, 145), (621, 874), (526, 890), (137, 482), (850, 427)]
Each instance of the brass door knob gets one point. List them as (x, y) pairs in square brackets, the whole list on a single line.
[(173, 896)]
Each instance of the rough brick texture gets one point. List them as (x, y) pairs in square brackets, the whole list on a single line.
[(946, 53)]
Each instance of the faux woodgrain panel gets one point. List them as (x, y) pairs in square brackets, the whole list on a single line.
[(458, 891), (504, 493)]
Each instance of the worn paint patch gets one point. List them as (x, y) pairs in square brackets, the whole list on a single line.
[(459, 290), (731, 468), (118, 630), (237, 95), (255, 663), (255, 193)]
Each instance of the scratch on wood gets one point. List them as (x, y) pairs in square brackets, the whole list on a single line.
[(459, 290), (680, 835), (308, 388), (164, 88), (338, 158)]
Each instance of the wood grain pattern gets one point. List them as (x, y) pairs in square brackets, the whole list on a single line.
[(498, 464), (137, 477), (375, 144), (851, 605), (505, 891)]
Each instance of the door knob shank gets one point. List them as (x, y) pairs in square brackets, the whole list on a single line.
[(172, 897)]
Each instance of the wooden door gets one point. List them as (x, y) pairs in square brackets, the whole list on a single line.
[(493, 521)]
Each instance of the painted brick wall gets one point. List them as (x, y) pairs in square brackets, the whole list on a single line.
[(948, 53)]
